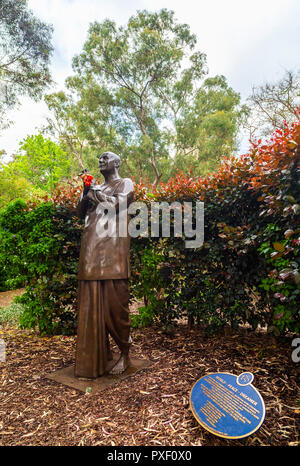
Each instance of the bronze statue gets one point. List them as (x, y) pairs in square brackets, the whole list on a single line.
[(103, 278)]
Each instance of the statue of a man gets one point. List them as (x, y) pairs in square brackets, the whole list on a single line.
[(104, 270)]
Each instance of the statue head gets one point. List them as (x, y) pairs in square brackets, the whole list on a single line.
[(109, 163)]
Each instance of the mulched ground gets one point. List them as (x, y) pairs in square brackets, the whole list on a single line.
[(150, 408)]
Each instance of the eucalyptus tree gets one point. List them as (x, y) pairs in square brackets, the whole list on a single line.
[(133, 91), (129, 82), (25, 51), (207, 130)]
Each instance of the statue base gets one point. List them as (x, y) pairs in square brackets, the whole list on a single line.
[(66, 376)]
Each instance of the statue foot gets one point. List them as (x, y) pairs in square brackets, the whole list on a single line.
[(121, 365)]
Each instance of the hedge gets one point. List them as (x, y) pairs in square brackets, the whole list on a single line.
[(246, 272)]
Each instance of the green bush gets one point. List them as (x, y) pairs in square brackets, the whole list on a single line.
[(212, 284), (146, 282), (39, 248), (27, 246), (246, 272)]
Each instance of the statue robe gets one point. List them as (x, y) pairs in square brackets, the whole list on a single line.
[(103, 286)]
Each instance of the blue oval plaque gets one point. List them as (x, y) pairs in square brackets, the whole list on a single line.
[(227, 405)]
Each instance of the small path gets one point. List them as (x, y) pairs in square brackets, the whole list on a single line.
[(7, 297)]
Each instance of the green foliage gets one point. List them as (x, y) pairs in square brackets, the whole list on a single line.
[(42, 162), (71, 126), (137, 91), (146, 284), (38, 166), (207, 130), (15, 187), (211, 284), (40, 246), (11, 314), (25, 46), (283, 281), (246, 271), (26, 242)]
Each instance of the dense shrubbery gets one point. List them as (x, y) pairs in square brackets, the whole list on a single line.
[(26, 247), (247, 270), (248, 267), (39, 247)]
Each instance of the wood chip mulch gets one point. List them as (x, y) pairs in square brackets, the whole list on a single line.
[(150, 408)]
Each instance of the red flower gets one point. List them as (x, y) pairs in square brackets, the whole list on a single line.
[(88, 179)]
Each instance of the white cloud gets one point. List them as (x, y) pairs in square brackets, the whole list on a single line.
[(27, 121), (248, 42)]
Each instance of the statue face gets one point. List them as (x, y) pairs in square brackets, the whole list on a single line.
[(107, 162)]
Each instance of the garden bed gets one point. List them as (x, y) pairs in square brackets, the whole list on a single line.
[(150, 408)]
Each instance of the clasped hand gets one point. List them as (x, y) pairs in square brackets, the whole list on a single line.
[(92, 194)]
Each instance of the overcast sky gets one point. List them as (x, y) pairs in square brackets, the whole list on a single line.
[(250, 42)]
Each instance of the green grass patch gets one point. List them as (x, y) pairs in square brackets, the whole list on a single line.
[(10, 314)]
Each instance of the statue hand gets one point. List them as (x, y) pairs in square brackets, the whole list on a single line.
[(88, 194), (101, 196)]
